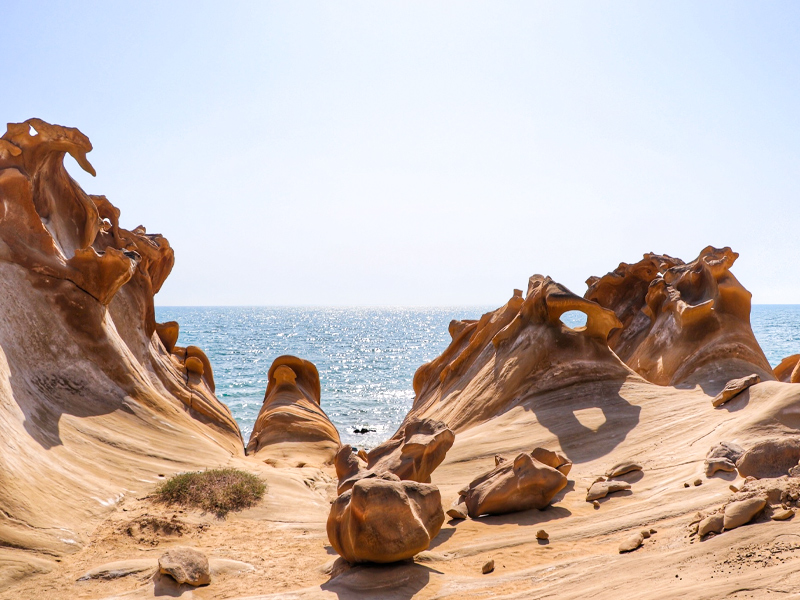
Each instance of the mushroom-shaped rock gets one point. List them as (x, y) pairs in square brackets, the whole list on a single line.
[(711, 524), (382, 519), (522, 484), (682, 322), (741, 512), (291, 422), (770, 458), (735, 387), (601, 489), (513, 354), (185, 565), (168, 334)]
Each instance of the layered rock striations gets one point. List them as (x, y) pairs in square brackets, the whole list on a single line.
[(92, 403), (291, 425), (682, 322), (519, 350)]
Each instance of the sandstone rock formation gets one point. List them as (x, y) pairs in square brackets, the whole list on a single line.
[(733, 388), (788, 371), (92, 404), (519, 350), (770, 458), (418, 447), (185, 565), (291, 421), (681, 322), (383, 519), (601, 489), (522, 484)]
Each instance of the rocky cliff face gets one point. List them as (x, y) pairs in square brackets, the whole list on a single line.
[(92, 403)]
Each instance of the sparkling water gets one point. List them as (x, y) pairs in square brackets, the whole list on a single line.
[(366, 357)]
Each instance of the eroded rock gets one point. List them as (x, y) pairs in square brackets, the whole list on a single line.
[(770, 458), (711, 524), (383, 519), (522, 484), (735, 387), (718, 464), (623, 468), (185, 565), (631, 542), (727, 450), (601, 489), (741, 512)]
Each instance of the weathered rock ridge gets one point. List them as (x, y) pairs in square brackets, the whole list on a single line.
[(91, 402)]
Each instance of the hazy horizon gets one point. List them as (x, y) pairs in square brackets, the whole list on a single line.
[(425, 154)]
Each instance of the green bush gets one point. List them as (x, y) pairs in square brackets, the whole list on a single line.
[(217, 491)]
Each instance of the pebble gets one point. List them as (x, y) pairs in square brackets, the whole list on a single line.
[(698, 482), (596, 504), (645, 534), (542, 535), (488, 567), (783, 515), (631, 543)]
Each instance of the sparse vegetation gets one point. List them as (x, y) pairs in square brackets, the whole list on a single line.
[(217, 491)]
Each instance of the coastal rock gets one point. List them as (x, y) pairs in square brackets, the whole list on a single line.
[(383, 519), (727, 450), (522, 484), (788, 370), (733, 388), (711, 524), (718, 464), (168, 334), (418, 447), (185, 565), (601, 489), (631, 542), (623, 468), (742, 512), (291, 421), (515, 353), (770, 458), (92, 403), (670, 311)]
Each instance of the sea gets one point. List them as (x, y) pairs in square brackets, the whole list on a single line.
[(366, 357)]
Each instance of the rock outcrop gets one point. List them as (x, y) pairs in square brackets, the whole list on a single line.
[(383, 519), (682, 322), (788, 371), (770, 458), (412, 454), (291, 425), (519, 350), (92, 403), (522, 484)]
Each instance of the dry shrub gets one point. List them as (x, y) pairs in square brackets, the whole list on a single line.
[(217, 491)]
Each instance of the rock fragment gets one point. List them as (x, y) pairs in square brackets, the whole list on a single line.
[(728, 450), (601, 489), (711, 524), (718, 464), (623, 468), (741, 512), (770, 458), (542, 535), (782, 515), (185, 565), (458, 510), (698, 481), (631, 542), (735, 387), (488, 567)]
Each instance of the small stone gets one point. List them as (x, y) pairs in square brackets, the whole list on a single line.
[(711, 524), (631, 543), (685, 485), (733, 388), (694, 528), (458, 511), (783, 515), (623, 468), (733, 488), (596, 504), (698, 482), (718, 464), (645, 534), (488, 567), (601, 489), (185, 565), (741, 512), (653, 531), (542, 535)]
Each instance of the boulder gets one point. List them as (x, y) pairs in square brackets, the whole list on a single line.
[(770, 458), (726, 450), (601, 489), (383, 519), (782, 515), (631, 542), (788, 370), (185, 565), (735, 387), (718, 464), (522, 484), (711, 524), (741, 512)]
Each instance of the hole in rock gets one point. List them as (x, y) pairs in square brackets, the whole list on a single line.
[(591, 418), (32, 132), (574, 318)]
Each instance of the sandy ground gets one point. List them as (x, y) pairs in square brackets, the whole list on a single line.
[(283, 543)]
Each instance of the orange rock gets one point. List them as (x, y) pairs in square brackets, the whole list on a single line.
[(788, 370), (168, 334), (670, 311), (291, 419)]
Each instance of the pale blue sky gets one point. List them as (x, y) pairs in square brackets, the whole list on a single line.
[(425, 152)]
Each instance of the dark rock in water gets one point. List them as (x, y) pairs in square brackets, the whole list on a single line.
[(363, 430)]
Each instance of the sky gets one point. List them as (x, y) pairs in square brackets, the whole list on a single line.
[(425, 153)]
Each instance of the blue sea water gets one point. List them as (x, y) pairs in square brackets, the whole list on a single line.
[(366, 357)]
